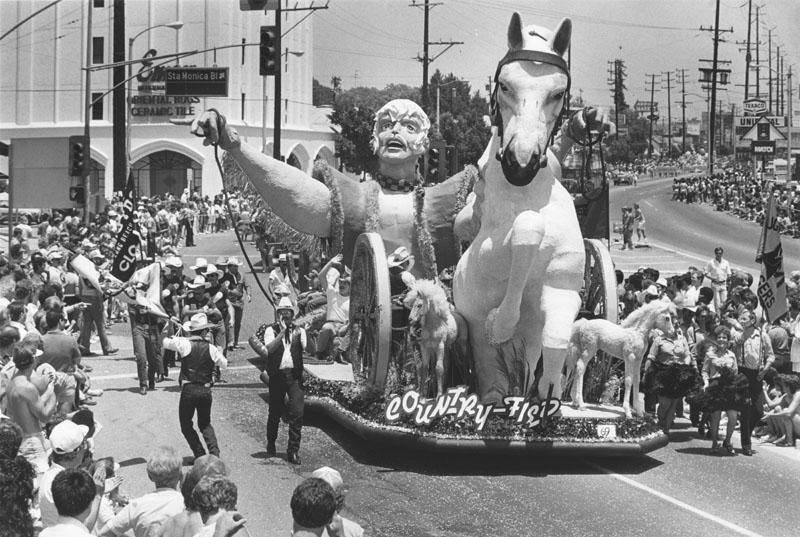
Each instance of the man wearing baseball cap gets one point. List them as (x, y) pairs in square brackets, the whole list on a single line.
[(67, 440), (199, 358), (338, 526)]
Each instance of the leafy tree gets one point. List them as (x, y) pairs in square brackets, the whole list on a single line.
[(352, 140), (321, 95)]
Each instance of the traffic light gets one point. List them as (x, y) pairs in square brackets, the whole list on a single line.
[(76, 194), (434, 158), (77, 155), (269, 51)]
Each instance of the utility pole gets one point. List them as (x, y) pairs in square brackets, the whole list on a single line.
[(714, 70), (758, 57), (669, 114), (748, 58), (769, 69), (87, 117), (789, 125), (682, 74), (652, 117), (616, 79), (119, 102), (426, 60)]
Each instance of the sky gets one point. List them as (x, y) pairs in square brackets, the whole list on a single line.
[(374, 42)]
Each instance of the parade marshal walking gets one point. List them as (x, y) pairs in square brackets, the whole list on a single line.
[(285, 344), (198, 360)]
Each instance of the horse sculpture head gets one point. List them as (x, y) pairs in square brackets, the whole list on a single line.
[(531, 84), (426, 296)]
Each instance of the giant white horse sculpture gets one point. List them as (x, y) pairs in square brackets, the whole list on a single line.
[(519, 280)]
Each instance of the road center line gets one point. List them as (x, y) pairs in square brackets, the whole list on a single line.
[(729, 525)]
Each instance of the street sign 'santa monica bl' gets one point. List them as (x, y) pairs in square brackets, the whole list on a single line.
[(197, 81)]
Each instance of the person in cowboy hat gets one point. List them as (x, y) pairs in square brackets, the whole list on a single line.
[(400, 262), (237, 290), (285, 343), (93, 313), (200, 266), (219, 296), (199, 359), (173, 290), (282, 275)]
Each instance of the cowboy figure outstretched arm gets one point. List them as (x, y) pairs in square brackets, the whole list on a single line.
[(298, 199)]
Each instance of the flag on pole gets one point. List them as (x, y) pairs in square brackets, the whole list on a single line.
[(128, 239), (772, 283)]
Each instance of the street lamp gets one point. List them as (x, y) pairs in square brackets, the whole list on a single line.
[(177, 25)]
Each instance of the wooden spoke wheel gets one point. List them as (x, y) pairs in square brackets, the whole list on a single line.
[(370, 310), (599, 297)]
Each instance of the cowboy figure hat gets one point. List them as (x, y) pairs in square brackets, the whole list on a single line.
[(400, 257)]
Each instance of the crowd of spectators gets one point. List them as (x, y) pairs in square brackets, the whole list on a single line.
[(700, 323), (736, 191)]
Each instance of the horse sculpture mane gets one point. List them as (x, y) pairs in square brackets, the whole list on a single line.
[(627, 341)]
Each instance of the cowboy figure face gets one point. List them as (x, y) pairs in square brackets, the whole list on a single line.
[(400, 132)]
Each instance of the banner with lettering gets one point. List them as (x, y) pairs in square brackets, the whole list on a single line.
[(772, 283), (128, 239)]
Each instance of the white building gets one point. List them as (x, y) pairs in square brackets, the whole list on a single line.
[(43, 89)]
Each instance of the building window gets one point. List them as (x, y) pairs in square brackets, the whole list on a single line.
[(243, 100), (243, 49), (97, 49), (97, 107), (99, 3)]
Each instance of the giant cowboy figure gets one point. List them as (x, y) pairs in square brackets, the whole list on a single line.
[(395, 205)]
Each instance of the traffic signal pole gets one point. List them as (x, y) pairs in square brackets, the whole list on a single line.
[(87, 117), (276, 127)]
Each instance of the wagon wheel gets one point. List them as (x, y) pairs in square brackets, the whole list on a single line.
[(600, 282), (370, 310)]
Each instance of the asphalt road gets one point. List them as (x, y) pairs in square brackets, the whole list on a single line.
[(678, 490)]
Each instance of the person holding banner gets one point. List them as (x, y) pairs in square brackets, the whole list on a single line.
[(144, 316), (93, 314)]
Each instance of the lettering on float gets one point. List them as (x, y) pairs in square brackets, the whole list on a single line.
[(457, 402)]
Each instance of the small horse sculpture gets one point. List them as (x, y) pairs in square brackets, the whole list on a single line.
[(430, 308), (626, 341), (519, 280)]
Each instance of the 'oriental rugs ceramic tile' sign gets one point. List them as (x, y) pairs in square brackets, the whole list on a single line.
[(456, 402)]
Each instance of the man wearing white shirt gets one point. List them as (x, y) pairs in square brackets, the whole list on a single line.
[(285, 343), (198, 360), (718, 270)]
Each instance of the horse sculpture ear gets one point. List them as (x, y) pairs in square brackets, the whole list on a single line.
[(561, 38), (515, 32)]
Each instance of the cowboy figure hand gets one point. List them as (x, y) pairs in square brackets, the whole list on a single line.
[(212, 126), (590, 119)]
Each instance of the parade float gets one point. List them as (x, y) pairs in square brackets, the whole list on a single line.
[(521, 272)]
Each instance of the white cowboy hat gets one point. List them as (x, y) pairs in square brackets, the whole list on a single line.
[(399, 257), (212, 269), (233, 260), (96, 254), (285, 303), (173, 261), (198, 322), (282, 257), (199, 281), (201, 263)]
